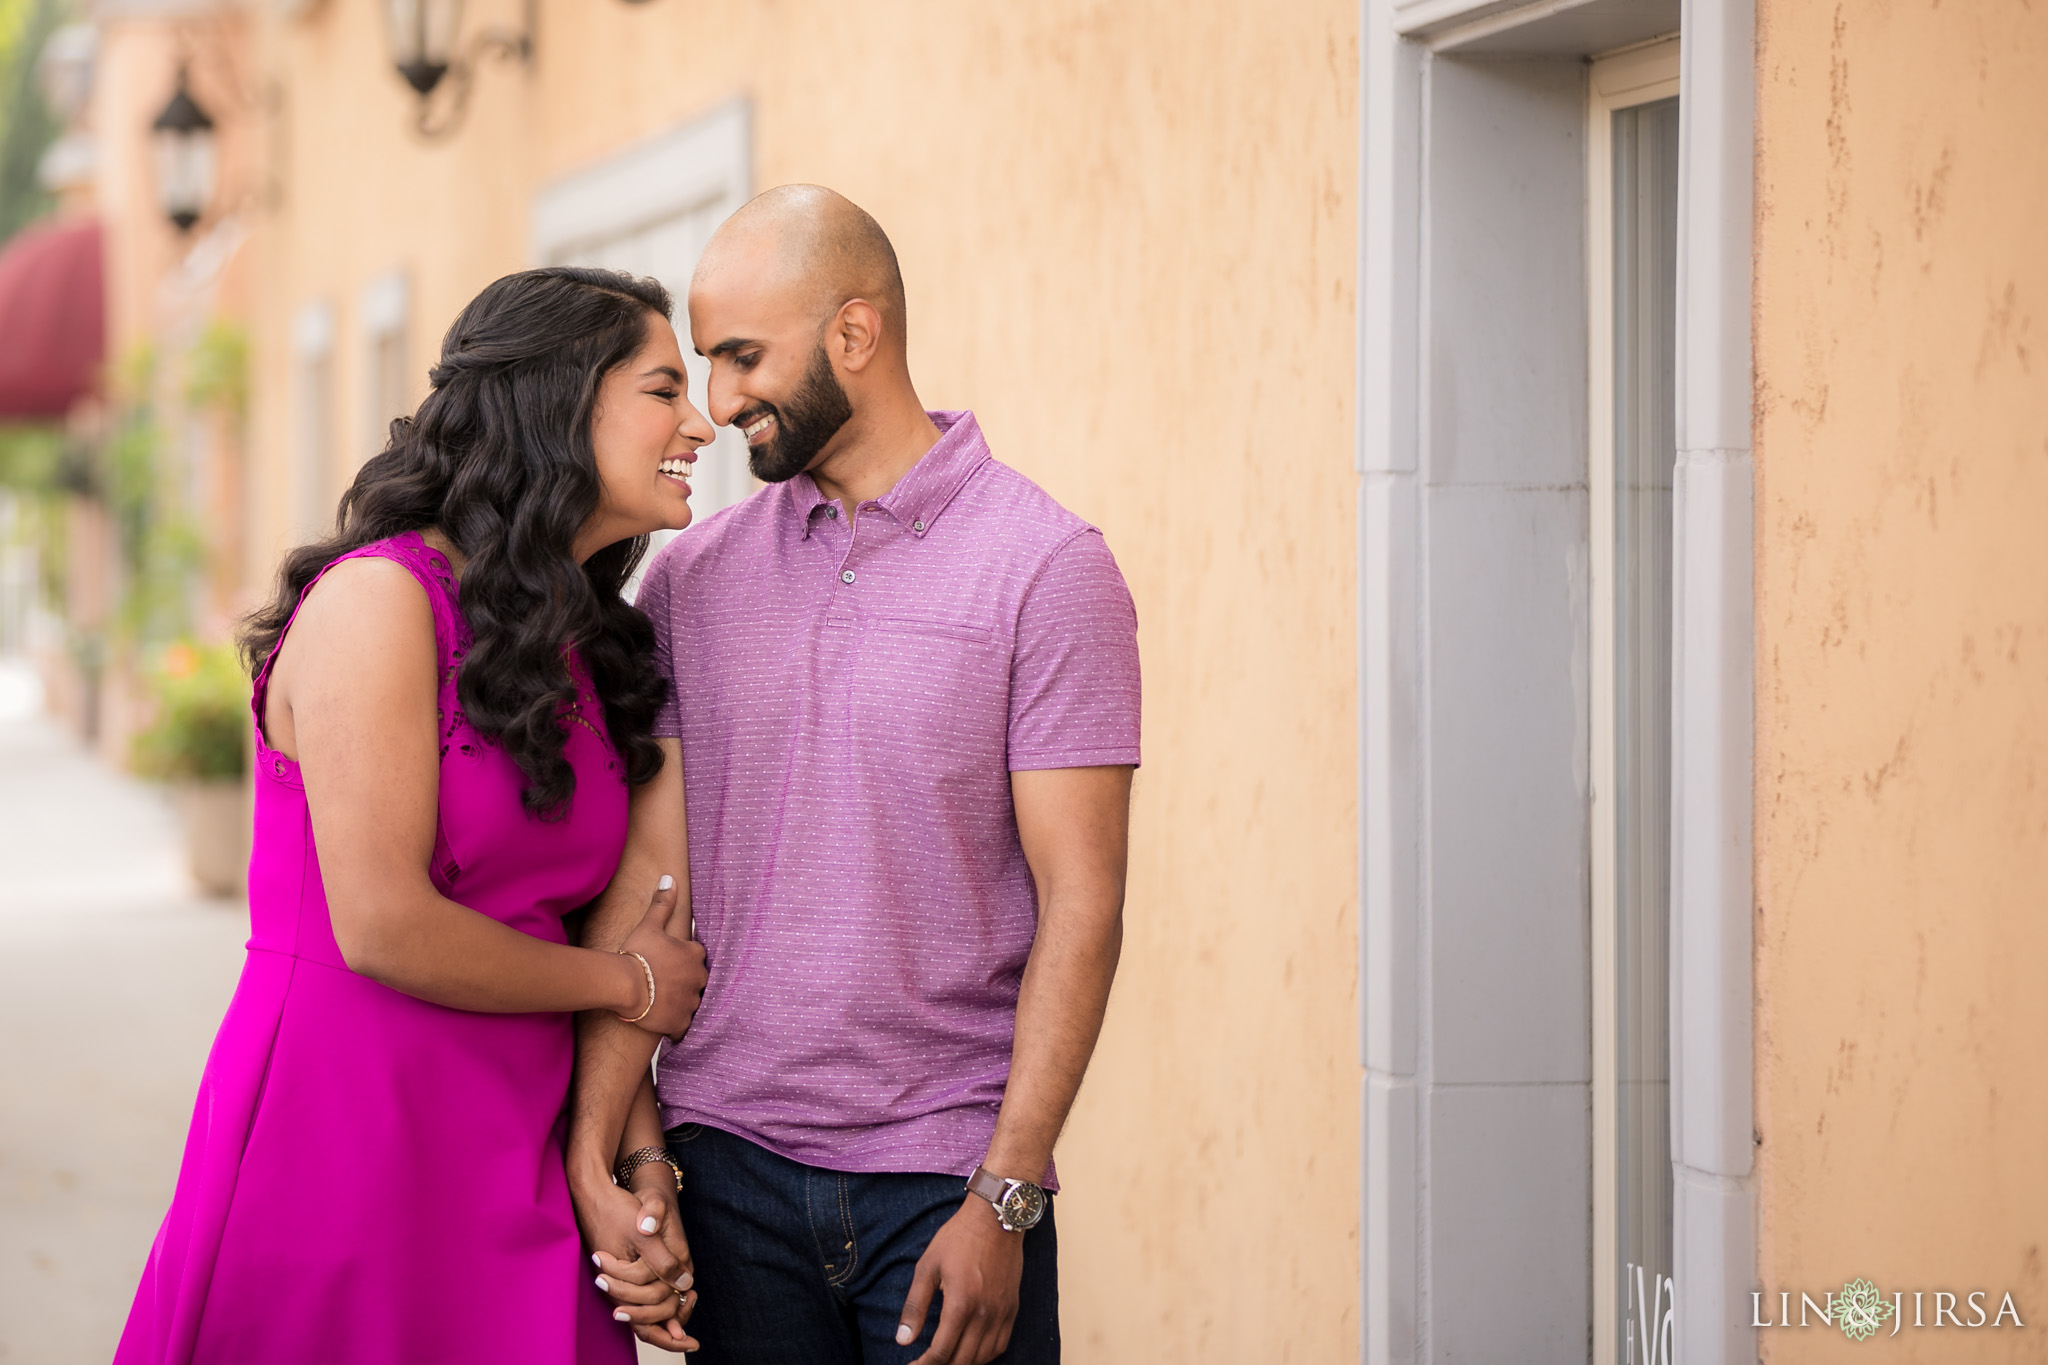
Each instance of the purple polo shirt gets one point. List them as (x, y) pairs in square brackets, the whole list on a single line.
[(851, 702)]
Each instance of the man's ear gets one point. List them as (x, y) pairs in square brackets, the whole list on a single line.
[(858, 333)]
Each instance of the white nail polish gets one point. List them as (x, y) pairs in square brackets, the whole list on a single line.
[(596, 1260), (648, 1225), (604, 1284), (665, 883), (904, 1336), (622, 1316)]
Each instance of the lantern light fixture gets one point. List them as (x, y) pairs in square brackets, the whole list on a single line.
[(427, 49), (184, 137)]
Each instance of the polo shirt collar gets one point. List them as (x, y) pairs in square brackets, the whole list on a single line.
[(924, 492)]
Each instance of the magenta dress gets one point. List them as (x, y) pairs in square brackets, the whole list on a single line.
[(371, 1178)]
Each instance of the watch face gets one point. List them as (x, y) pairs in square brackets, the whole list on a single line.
[(1023, 1206)]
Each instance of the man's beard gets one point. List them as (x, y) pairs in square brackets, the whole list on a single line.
[(804, 422)]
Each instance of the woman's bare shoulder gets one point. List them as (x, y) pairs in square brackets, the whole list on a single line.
[(368, 603)]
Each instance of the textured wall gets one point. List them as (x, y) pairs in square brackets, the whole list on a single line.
[(1128, 233), (1902, 683)]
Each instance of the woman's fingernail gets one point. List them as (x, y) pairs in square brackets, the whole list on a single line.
[(595, 1261), (622, 1316), (665, 883), (685, 1280), (604, 1284), (648, 1224), (904, 1336)]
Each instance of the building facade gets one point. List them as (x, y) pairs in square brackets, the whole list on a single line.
[(1699, 719), (1576, 464), (1128, 237)]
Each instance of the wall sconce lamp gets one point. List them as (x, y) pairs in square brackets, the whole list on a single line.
[(184, 157), (426, 48)]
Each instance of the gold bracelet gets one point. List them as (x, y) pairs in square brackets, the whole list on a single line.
[(645, 967)]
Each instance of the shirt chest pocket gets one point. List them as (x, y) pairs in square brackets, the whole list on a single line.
[(932, 693)]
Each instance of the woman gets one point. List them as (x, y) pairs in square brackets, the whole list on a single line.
[(451, 702)]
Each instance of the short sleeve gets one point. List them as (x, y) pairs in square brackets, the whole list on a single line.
[(657, 588), (1074, 694)]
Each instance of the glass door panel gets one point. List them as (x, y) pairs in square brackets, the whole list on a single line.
[(1645, 148)]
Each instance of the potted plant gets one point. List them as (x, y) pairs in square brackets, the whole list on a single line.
[(197, 745)]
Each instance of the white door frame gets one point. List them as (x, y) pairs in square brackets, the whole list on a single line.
[(671, 172), (702, 166), (1422, 384)]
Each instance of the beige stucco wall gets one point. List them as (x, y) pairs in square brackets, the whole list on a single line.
[(1128, 233), (1902, 659)]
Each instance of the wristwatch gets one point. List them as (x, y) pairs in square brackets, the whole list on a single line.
[(622, 1174), (1019, 1203)]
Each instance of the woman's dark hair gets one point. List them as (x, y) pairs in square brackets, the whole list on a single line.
[(499, 458)]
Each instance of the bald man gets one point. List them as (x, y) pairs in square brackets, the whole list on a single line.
[(902, 728)]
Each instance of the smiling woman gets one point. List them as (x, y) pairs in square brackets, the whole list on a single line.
[(644, 435), (453, 704), (557, 397)]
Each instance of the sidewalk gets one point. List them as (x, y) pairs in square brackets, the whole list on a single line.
[(113, 976)]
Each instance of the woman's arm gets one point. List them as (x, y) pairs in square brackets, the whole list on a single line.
[(352, 697)]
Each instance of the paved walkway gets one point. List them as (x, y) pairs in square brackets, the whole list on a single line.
[(113, 976)]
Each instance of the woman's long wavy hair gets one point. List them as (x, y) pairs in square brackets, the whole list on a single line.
[(499, 458)]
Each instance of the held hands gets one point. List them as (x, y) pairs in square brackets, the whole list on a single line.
[(677, 964), (650, 1279), (977, 1267)]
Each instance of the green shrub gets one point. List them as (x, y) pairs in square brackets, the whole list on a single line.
[(202, 716)]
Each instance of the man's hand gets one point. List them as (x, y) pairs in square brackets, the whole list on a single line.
[(642, 1258), (977, 1267)]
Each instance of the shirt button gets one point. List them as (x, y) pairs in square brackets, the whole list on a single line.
[(846, 577), (917, 525), (833, 511)]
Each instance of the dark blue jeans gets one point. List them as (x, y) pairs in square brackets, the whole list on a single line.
[(801, 1266)]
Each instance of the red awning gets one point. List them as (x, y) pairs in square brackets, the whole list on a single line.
[(52, 318)]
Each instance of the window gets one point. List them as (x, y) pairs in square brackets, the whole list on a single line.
[(312, 489), (1633, 144), (387, 383)]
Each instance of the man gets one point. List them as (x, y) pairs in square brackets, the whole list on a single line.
[(903, 724)]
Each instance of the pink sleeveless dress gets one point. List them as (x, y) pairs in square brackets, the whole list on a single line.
[(370, 1178)]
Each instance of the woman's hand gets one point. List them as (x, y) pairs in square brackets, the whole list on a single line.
[(642, 1258), (677, 963)]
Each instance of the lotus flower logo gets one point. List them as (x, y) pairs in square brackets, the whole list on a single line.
[(1860, 1310)]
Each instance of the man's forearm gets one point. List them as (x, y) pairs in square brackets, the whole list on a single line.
[(1060, 1009), (611, 1063), (643, 1121), (612, 1056)]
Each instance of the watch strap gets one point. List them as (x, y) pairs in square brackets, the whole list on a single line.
[(988, 1185), (622, 1174)]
